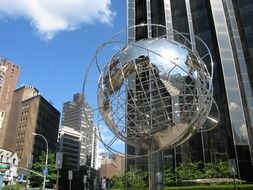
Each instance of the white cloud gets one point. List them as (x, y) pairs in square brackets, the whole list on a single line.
[(243, 131), (51, 16), (233, 106)]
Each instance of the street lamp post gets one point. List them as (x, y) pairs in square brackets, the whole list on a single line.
[(45, 175)]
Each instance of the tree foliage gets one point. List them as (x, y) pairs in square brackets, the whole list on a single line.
[(170, 177), (134, 179), (190, 171), (137, 179), (197, 170), (12, 187), (220, 169), (35, 180)]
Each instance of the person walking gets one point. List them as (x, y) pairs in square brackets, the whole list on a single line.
[(103, 183)]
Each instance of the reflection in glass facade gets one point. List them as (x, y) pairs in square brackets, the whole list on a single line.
[(227, 28)]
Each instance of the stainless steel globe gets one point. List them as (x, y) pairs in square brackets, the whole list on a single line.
[(154, 93)]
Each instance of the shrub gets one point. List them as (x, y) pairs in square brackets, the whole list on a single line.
[(212, 187), (207, 187), (197, 170), (12, 187), (133, 179)]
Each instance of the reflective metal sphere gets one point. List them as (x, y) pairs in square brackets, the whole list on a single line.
[(154, 93)]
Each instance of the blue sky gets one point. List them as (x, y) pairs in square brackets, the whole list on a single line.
[(54, 41)]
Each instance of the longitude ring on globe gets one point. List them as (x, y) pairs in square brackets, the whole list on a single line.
[(153, 93)]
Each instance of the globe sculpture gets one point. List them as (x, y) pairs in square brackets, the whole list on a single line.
[(154, 93)]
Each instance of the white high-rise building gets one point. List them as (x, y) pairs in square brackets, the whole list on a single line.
[(76, 114), (69, 145)]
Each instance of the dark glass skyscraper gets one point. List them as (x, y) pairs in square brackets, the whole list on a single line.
[(226, 26)]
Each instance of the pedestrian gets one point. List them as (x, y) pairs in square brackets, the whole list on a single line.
[(103, 183)]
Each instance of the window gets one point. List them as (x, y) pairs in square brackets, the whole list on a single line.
[(14, 161)]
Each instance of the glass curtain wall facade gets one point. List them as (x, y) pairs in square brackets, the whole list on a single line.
[(226, 28)]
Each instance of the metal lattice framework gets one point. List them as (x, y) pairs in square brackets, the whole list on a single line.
[(154, 93)]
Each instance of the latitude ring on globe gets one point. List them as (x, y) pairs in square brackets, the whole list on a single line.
[(153, 93)]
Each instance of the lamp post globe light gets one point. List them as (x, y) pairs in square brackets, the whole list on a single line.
[(45, 175)]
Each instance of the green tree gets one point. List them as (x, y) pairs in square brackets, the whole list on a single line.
[(219, 169), (223, 169), (12, 187), (188, 171), (117, 181), (191, 171), (169, 176), (210, 170), (134, 179), (35, 180)]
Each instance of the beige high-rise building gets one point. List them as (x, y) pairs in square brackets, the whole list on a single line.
[(111, 164), (31, 113), (8, 78), (11, 129)]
